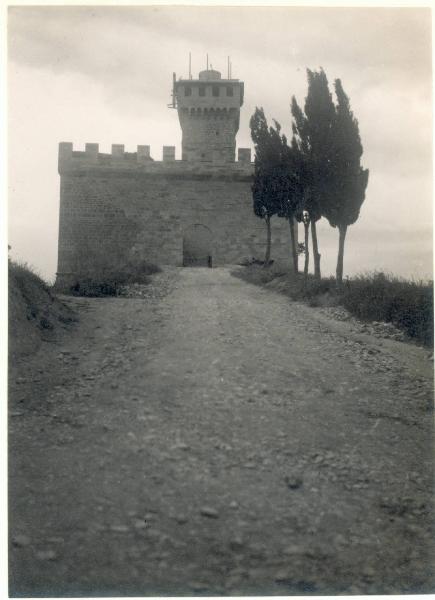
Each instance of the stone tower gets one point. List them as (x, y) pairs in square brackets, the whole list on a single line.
[(209, 112)]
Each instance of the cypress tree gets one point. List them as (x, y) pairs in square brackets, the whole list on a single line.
[(313, 131), (301, 163), (287, 186), (349, 178), (265, 186)]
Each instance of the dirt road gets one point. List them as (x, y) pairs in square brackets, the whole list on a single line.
[(219, 440)]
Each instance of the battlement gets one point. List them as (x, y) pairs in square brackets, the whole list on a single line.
[(74, 161)]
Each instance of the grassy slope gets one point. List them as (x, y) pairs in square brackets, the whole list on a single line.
[(34, 312), (373, 297)]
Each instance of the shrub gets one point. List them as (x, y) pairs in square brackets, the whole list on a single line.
[(376, 297), (313, 289), (92, 288), (382, 297), (109, 283)]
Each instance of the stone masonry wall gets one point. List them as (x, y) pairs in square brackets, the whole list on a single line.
[(209, 134), (112, 214)]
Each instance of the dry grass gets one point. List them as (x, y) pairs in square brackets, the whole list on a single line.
[(370, 297), (383, 297), (35, 313)]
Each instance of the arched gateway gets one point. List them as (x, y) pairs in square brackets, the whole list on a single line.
[(197, 246)]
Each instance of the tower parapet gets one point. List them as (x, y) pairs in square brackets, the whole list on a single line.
[(209, 114)]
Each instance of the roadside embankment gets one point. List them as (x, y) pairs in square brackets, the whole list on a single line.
[(390, 306), (35, 313)]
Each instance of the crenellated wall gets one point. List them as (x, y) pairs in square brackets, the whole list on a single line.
[(120, 208), (70, 159)]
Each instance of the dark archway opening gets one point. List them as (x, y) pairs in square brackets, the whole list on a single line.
[(197, 246)]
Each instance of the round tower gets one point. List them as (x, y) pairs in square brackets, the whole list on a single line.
[(209, 113)]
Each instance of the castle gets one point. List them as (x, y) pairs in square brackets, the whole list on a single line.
[(123, 207)]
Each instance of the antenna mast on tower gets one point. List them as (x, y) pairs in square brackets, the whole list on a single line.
[(173, 104)]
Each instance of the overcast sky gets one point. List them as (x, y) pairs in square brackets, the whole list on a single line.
[(84, 74)]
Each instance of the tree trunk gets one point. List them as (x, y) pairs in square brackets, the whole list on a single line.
[(268, 242), (291, 223), (316, 255), (307, 252), (342, 236)]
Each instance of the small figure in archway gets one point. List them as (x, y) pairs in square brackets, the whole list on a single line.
[(197, 246)]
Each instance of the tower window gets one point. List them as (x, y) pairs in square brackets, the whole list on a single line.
[(230, 90), (187, 90), (215, 90), (202, 90)]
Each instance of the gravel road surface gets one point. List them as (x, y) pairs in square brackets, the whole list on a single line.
[(211, 437)]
